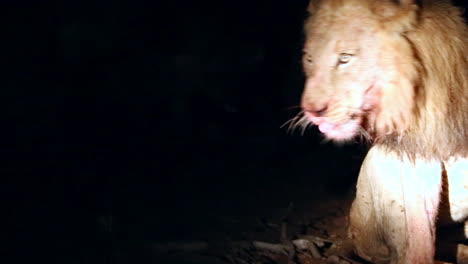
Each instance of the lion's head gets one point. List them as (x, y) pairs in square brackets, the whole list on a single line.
[(354, 56), (393, 71)]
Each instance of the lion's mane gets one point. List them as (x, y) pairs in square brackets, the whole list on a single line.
[(440, 124)]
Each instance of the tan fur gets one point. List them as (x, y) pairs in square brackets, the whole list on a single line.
[(406, 85)]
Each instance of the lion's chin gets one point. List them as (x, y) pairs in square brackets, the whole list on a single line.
[(340, 132)]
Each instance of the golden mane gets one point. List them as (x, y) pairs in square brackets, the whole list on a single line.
[(440, 124)]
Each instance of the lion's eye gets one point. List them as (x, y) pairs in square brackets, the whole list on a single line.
[(344, 58), (307, 58)]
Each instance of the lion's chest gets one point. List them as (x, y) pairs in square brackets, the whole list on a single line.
[(400, 200)]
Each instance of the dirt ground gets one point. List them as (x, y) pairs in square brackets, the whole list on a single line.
[(303, 232)]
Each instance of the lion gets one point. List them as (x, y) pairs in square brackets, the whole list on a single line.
[(395, 73)]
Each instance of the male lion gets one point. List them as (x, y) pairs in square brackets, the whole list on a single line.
[(395, 73)]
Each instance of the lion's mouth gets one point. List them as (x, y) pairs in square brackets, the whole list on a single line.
[(341, 131)]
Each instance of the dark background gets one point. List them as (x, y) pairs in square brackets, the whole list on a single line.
[(128, 122)]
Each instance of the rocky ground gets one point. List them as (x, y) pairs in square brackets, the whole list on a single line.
[(301, 233)]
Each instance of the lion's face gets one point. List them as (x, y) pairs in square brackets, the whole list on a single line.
[(348, 62)]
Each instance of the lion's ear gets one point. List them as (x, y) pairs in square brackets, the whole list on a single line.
[(397, 16), (314, 6)]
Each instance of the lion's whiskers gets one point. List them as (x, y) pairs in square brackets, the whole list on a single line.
[(364, 134), (292, 107), (305, 122), (299, 121)]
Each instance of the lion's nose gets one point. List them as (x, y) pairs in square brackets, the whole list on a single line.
[(317, 110)]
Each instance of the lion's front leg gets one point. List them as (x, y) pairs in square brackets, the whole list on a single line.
[(392, 219)]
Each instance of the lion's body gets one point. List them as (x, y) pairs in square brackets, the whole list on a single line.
[(398, 75)]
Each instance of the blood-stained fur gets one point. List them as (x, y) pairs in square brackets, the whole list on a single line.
[(396, 74)]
